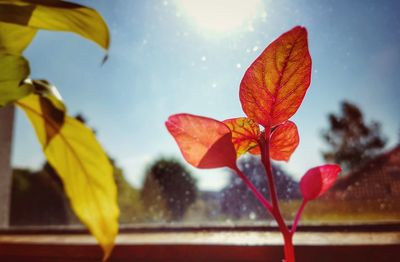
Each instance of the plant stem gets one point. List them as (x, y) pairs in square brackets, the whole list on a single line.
[(298, 215), (265, 158), (271, 183), (289, 248), (257, 193)]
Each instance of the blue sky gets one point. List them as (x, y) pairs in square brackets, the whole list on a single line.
[(168, 58)]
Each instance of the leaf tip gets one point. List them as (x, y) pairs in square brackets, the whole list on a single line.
[(107, 250), (172, 122), (299, 29), (105, 59)]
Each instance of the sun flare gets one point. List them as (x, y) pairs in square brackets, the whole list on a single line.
[(221, 16)]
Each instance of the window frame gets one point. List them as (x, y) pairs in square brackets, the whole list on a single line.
[(6, 131), (370, 242)]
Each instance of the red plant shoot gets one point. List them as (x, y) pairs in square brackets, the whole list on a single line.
[(271, 92)]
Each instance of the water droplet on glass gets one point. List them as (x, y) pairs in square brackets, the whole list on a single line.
[(250, 28), (228, 221), (264, 16)]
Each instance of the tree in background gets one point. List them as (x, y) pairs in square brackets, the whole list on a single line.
[(37, 199), (128, 199), (352, 142), (169, 189), (238, 201)]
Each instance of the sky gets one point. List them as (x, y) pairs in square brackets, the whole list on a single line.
[(170, 57)]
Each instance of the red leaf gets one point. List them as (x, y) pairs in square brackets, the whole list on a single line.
[(284, 140), (204, 142), (274, 86), (318, 180), (245, 134)]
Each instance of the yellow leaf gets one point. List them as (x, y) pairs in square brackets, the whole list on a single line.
[(56, 15), (13, 69), (84, 168), (48, 91), (51, 106), (15, 38)]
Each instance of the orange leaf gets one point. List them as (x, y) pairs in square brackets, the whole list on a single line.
[(255, 150), (245, 134), (204, 142), (284, 140), (274, 86)]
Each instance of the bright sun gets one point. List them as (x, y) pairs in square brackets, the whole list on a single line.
[(221, 16)]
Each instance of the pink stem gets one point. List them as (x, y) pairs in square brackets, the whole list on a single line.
[(265, 158), (250, 185), (298, 215), (271, 183), (289, 248)]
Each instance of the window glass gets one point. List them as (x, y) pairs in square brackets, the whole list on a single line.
[(169, 57)]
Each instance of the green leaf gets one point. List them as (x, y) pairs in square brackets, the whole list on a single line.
[(56, 15), (13, 70), (83, 166)]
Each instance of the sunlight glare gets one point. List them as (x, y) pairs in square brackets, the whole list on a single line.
[(221, 16)]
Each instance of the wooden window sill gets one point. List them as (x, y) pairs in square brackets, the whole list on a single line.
[(224, 245)]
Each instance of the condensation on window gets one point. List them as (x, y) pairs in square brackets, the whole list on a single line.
[(168, 57)]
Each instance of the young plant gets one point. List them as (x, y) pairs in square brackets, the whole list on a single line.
[(271, 91)]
